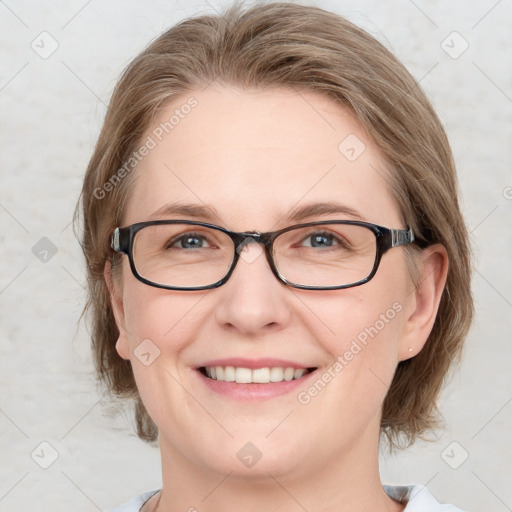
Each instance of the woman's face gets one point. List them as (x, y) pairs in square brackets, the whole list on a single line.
[(253, 157)]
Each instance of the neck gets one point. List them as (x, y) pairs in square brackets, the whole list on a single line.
[(344, 480)]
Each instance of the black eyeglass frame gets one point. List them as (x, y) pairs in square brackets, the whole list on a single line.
[(122, 240)]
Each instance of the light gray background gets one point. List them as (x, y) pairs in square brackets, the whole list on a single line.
[(51, 113)]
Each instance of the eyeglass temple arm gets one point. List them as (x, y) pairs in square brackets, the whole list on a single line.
[(115, 241), (401, 237)]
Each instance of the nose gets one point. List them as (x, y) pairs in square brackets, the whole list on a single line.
[(253, 300)]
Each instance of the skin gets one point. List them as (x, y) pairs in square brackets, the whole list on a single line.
[(254, 155)]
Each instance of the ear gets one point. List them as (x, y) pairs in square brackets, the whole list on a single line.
[(423, 304), (116, 302)]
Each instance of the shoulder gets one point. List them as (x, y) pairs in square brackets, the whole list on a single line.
[(135, 504), (418, 499)]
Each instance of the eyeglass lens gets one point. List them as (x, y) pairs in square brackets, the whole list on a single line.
[(183, 255)]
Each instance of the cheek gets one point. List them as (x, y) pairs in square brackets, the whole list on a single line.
[(360, 332), (356, 317), (160, 326), (360, 329), (165, 317)]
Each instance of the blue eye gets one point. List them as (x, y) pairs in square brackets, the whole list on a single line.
[(187, 241), (322, 239)]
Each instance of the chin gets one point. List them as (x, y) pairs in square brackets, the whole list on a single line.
[(254, 460)]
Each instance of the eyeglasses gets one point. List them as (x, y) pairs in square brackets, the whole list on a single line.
[(190, 255)]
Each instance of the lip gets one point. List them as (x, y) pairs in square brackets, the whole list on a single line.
[(253, 364), (253, 391)]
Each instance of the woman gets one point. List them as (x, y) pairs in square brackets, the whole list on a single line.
[(278, 266)]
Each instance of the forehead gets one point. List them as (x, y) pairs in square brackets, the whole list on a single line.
[(253, 156)]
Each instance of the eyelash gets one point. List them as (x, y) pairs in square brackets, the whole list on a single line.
[(177, 239), (340, 241)]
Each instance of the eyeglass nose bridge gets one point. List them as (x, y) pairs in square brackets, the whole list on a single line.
[(265, 239), (245, 238)]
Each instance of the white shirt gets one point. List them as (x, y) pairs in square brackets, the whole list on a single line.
[(418, 499)]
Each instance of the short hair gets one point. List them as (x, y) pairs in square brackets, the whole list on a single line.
[(305, 48)]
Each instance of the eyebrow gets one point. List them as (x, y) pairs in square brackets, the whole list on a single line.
[(197, 211), (319, 209), (186, 210)]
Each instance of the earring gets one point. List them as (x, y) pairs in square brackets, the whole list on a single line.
[(410, 349)]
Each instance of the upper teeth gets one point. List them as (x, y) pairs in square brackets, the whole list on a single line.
[(258, 375)]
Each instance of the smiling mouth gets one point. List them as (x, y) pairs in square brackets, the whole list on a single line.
[(242, 375)]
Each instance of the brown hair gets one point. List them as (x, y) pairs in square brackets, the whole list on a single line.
[(303, 47)]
